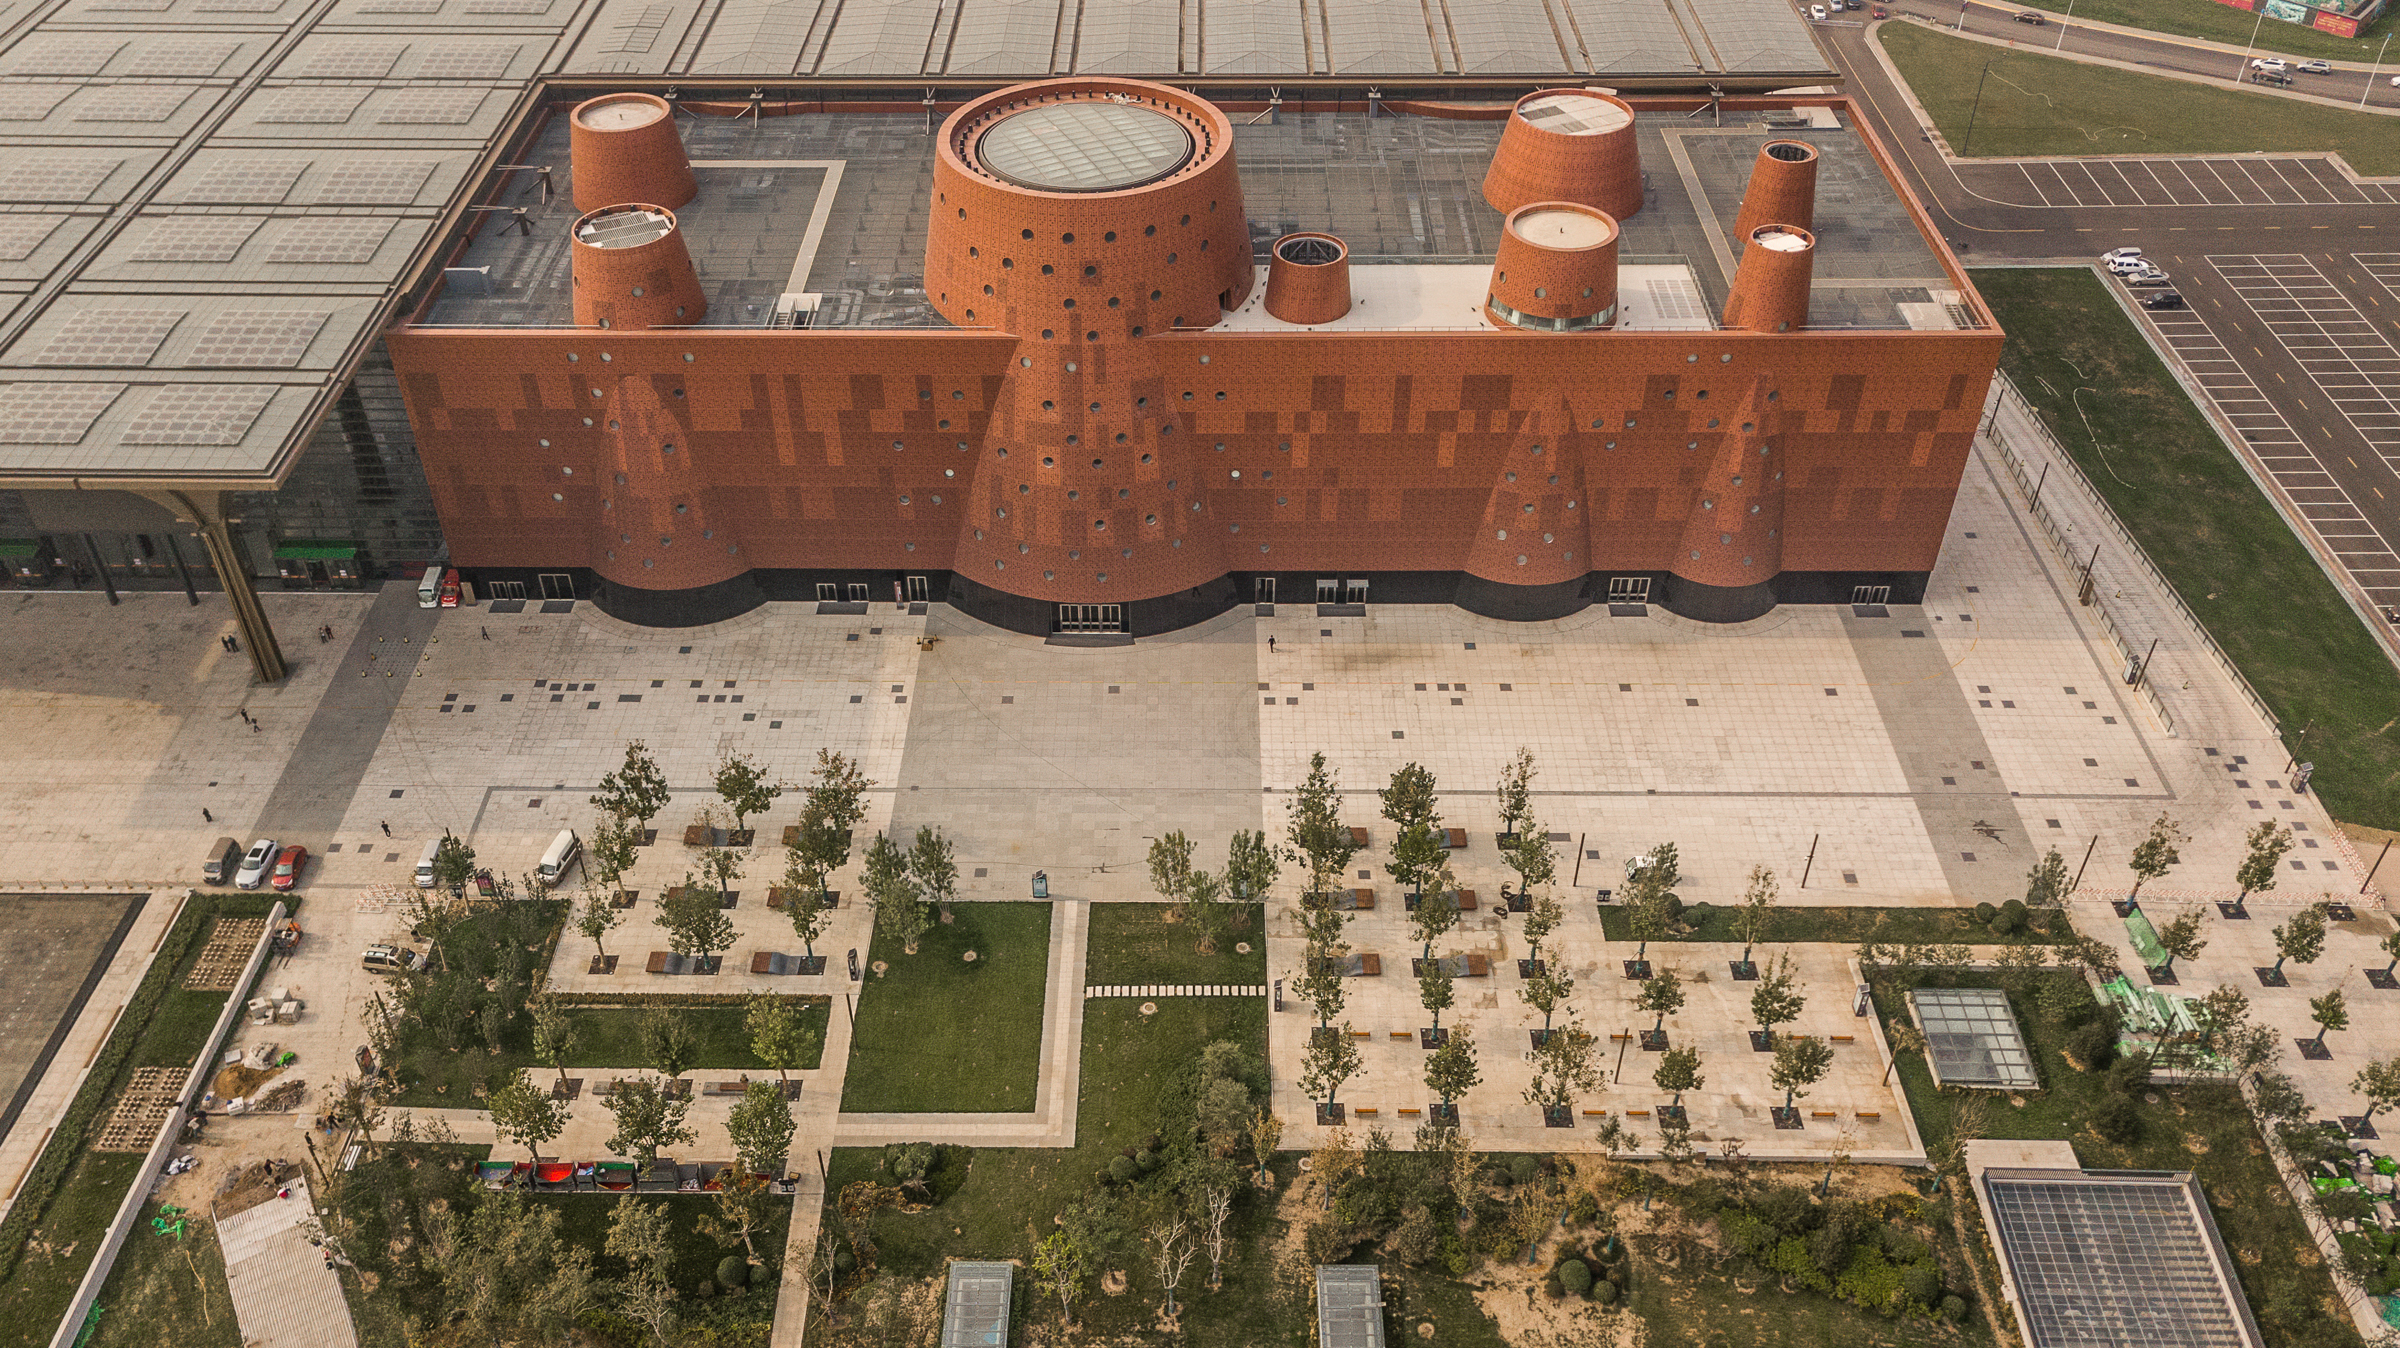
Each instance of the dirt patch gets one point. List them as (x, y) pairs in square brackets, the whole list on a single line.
[(241, 1079), (247, 1186), (2196, 1143)]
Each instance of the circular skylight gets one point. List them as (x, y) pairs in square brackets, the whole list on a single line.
[(1092, 146)]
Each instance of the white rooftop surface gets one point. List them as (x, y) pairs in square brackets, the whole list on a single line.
[(1402, 296)]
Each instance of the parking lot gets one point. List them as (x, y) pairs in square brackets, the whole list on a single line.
[(2280, 180), (2339, 347)]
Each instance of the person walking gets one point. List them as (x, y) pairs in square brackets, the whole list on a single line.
[(387, 828), (1270, 645), (204, 814)]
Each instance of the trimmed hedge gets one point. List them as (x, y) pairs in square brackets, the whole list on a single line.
[(575, 999), (42, 1183)]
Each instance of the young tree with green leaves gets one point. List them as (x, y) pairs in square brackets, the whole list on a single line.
[(1318, 839), (722, 866), (611, 850), (1530, 854), (1322, 986), (453, 864), (506, 1267), (1060, 1263), (1249, 866), (1662, 993), (2330, 1012), (1546, 992), (745, 1205), (1327, 1062), (2155, 853), (1204, 910), (668, 1043), (1436, 990), (761, 1128), (2046, 883), (1515, 794), (1648, 907), (1801, 1061), (934, 864), (693, 916), (2378, 1083), (553, 1032), (1451, 1070), (525, 1113), (648, 1118), (1758, 909), (1562, 1066), (1436, 913), (597, 916), (832, 805), (1679, 1071), (2263, 849), (1411, 798), (745, 789), (2302, 938), (1540, 920), (1776, 1000), (2390, 945), (2180, 938), (779, 1032), (804, 899), (899, 905), (636, 791), (1171, 866)]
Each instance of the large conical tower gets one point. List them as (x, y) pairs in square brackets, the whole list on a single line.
[(1732, 543)]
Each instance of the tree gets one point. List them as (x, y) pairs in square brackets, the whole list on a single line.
[(2265, 846), (693, 916), (2391, 946), (647, 1118), (2379, 1083), (1410, 799), (597, 916), (505, 1266), (1322, 984), (525, 1114), (1417, 852), (1436, 990), (1776, 1001), (1800, 1062), (668, 1043), (1531, 856), (1172, 1249), (745, 789), (1204, 909), (1758, 907), (1266, 1131), (1436, 913), (1562, 1066), (355, 1106), (1541, 918), (2330, 1012), (2155, 853), (761, 1127), (933, 863), (1679, 1071), (1663, 994), (553, 1033), (1650, 904), (1062, 1262), (899, 905), (1515, 792), (636, 791), (1318, 838), (745, 1203), (780, 1035), (1171, 866), (1330, 1060), (1249, 866), (830, 808), (453, 864), (1216, 1205), (2046, 883), (804, 898), (722, 866), (640, 1234), (2180, 938), (1545, 991), (2302, 938), (611, 850), (1451, 1070)]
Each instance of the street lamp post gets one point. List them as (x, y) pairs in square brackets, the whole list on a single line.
[(2254, 27), (2372, 75), (2063, 25), (1976, 107)]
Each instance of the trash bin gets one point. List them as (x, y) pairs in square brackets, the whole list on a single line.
[(1041, 884)]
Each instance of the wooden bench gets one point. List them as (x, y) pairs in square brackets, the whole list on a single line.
[(1844, 1038), (727, 1088), (1455, 839), (1362, 1034), (1637, 1113), (1823, 1114), (1870, 1114), (1466, 901), (1365, 966), (1619, 1038), (1595, 1113), (658, 961), (1407, 1112), (1362, 1109), (1358, 836), (1403, 1034), (1359, 900)]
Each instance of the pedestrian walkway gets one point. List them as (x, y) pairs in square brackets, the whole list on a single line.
[(1178, 990), (284, 1291)]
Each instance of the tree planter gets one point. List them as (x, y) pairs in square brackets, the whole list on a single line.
[(2161, 976), (2270, 977), (625, 898), (1654, 1041), (2125, 907), (1637, 970), (1744, 971), (1322, 1033), (2359, 1126), (1446, 1115), (2233, 912), (1786, 1118), (1539, 1037), (1558, 1116), (2313, 1049), (1332, 1116), (2381, 978), (1532, 968), (1761, 1042), (2340, 912), (1672, 1114), (1432, 1039), (604, 964)]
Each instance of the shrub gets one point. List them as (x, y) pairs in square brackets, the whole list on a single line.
[(1553, 1288), (2119, 1120), (909, 1162), (2093, 1044), (1954, 1309), (1457, 1260), (1576, 1277), (1122, 1169), (2129, 1073), (1923, 1283), (732, 1272), (1984, 913), (1872, 1281), (1584, 1210), (1604, 1292), (1674, 908), (1523, 1169), (1745, 1232), (1904, 1248), (1326, 1241), (1697, 915), (2014, 918), (705, 1290), (1790, 1259), (1415, 1240), (1789, 1209)]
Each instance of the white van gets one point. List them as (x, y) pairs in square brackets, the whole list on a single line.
[(563, 852), (433, 849)]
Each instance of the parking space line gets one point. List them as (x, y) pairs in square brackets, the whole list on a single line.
[(2027, 170)]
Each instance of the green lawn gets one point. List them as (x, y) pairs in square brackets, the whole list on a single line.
[(2044, 105), (1704, 1303), (936, 1033), (1845, 926), (1134, 943), (61, 1249), (168, 1289), (2223, 23), (606, 1036), (2205, 1129), (2202, 520)]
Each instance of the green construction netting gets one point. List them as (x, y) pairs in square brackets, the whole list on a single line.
[(2145, 939)]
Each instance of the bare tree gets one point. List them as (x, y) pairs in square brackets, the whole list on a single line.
[(1173, 1246), (1219, 1202)]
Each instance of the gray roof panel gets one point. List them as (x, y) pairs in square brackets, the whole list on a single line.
[(1379, 37), (1131, 37), (1001, 36), (1251, 37)]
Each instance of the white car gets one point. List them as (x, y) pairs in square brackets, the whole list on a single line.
[(2127, 266), (2274, 63), (2315, 67), (2122, 255), (2147, 276), (256, 862), (1817, 12)]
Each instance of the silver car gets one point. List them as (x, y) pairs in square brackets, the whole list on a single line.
[(256, 863)]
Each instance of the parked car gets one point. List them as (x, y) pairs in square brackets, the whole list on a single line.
[(1879, 13), (2029, 16), (1817, 12), (391, 959), (288, 865), (2277, 78), (2126, 265), (2165, 299), (2146, 279), (2122, 255), (256, 863), (2315, 67)]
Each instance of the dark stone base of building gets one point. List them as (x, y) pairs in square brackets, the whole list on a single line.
[(1348, 597)]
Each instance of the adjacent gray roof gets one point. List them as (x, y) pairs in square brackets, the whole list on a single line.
[(975, 1305), (2116, 1257), (1349, 1306)]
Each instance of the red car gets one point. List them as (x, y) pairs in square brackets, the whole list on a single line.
[(288, 865)]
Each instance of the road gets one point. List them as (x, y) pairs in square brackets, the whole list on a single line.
[(2291, 271)]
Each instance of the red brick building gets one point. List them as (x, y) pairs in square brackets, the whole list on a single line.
[(1161, 359)]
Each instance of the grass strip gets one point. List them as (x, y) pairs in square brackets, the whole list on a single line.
[(606, 1037), (2214, 22), (2167, 475), (1845, 926), (2033, 104), (1135, 943), (937, 1032)]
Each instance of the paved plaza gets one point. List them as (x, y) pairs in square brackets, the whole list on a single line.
[(1924, 755)]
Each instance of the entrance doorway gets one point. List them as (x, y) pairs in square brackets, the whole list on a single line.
[(504, 589), (557, 585), (918, 591), (1629, 589), (1263, 590), (1870, 594), (1091, 617)]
